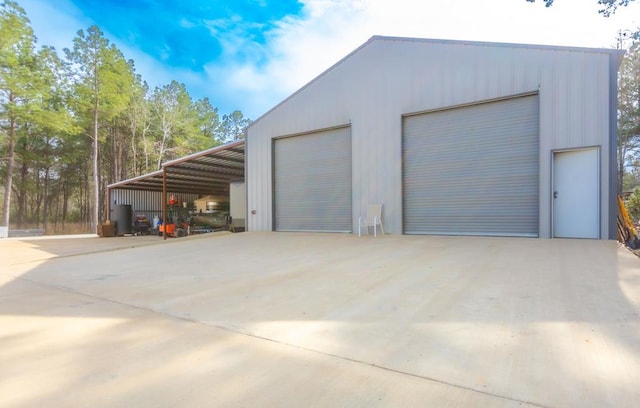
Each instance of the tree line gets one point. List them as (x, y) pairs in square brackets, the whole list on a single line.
[(629, 128), (72, 124)]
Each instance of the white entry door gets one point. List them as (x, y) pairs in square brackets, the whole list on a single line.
[(576, 194)]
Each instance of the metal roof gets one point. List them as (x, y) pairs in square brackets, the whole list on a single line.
[(205, 172)]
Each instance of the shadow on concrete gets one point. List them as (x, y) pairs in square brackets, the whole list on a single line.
[(550, 322)]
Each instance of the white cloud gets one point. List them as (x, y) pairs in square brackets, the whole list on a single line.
[(298, 50), (301, 49), (55, 26), (185, 23)]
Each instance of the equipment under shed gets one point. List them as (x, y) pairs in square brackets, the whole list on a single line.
[(179, 183)]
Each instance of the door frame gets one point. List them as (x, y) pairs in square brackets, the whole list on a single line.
[(599, 186)]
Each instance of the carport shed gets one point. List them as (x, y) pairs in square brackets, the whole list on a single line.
[(209, 172)]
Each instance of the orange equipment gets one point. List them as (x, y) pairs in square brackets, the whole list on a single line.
[(178, 222)]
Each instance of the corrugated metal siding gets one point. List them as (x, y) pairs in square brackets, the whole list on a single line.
[(473, 170), (389, 78), (258, 176), (148, 203), (574, 115), (312, 177)]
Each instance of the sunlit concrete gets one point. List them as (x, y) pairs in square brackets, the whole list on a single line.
[(280, 319)]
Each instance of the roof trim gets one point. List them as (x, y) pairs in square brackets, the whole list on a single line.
[(611, 51), (203, 153), (134, 179)]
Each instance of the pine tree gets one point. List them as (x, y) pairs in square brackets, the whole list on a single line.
[(17, 68), (628, 112), (103, 89)]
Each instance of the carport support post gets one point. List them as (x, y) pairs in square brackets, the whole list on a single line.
[(109, 204), (164, 203)]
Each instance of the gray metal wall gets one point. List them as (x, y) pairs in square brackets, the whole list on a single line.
[(386, 78)]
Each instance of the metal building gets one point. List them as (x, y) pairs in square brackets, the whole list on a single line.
[(452, 137)]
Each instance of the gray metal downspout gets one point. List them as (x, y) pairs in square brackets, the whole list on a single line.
[(273, 184), (246, 183)]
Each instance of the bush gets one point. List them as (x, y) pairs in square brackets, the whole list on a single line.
[(633, 205)]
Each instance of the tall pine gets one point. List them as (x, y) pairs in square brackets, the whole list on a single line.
[(103, 87)]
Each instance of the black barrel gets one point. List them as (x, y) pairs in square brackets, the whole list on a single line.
[(123, 218)]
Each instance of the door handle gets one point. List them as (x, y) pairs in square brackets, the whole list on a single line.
[(555, 194)]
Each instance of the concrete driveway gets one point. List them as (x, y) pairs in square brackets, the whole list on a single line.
[(290, 320)]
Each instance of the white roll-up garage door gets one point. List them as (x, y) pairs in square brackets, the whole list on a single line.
[(312, 182), (473, 170)]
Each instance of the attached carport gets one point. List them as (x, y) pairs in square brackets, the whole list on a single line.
[(208, 172)]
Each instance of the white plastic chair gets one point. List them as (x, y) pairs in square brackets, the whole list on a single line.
[(372, 219)]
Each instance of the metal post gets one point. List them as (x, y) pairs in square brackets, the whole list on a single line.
[(164, 203), (109, 204)]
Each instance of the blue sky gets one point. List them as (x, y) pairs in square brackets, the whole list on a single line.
[(251, 54)]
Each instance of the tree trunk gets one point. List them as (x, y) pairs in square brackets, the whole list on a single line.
[(124, 157), (161, 152), (86, 198), (45, 200), (37, 202), (134, 156), (145, 147), (55, 205), (65, 203), (621, 156), (21, 193), (96, 183), (10, 164)]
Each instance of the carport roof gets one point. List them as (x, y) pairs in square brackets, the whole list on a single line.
[(205, 172)]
